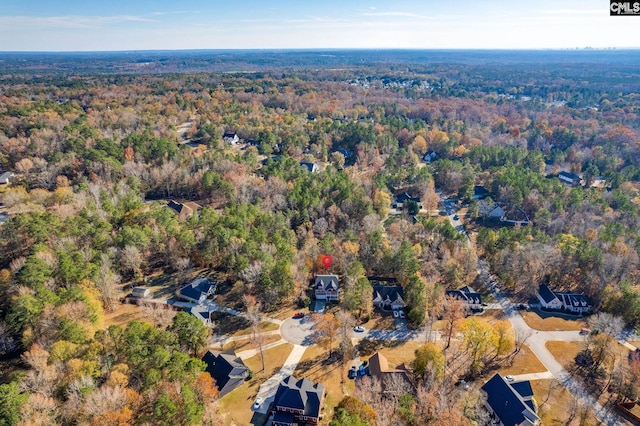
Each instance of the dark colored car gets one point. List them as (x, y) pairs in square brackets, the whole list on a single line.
[(298, 315), (352, 373)]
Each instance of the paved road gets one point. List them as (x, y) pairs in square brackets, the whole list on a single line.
[(537, 342)]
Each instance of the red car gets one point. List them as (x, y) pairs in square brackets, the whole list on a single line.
[(298, 315)]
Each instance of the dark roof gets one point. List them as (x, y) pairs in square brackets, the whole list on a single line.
[(523, 388), (388, 291), (569, 175), (227, 370), (573, 299), (229, 134), (546, 294), (196, 288), (300, 394), (507, 403), (401, 198), (326, 282), (466, 294), (480, 191)]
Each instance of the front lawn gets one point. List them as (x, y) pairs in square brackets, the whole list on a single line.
[(548, 321), (525, 362), (236, 406)]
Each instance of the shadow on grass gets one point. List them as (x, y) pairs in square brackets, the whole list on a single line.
[(549, 314), (228, 324), (368, 347)]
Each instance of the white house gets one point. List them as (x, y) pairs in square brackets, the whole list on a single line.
[(573, 302), (230, 138), (5, 178)]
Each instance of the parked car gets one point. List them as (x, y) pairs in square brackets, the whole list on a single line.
[(298, 315), (258, 402), (455, 217), (352, 373), (395, 314), (509, 378), (584, 331), (401, 313), (359, 329)]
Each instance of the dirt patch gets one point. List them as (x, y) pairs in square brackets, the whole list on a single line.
[(124, 314), (547, 321)]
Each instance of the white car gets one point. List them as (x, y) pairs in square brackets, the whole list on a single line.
[(258, 402), (509, 378), (359, 329)]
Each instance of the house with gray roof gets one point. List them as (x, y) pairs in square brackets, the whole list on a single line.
[(297, 402), (227, 369), (471, 298), (388, 297), (510, 403), (326, 287), (5, 178)]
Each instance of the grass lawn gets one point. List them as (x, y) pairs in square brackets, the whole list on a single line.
[(380, 320), (244, 344), (555, 405), (523, 363), (396, 352), (564, 352), (231, 325), (546, 321), (236, 405), (317, 367)]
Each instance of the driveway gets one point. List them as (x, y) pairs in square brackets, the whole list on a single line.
[(537, 340), (297, 331)]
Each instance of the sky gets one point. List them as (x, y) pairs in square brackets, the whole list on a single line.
[(103, 25)]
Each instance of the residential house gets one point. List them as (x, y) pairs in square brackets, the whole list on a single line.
[(430, 157), (326, 287), (573, 302), (310, 167), (471, 298), (227, 369), (198, 290), (395, 381), (491, 211), (5, 178), (570, 178), (297, 402), (388, 297), (510, 403), (403, 198), (184, 210), (140, 293), (230, 138)]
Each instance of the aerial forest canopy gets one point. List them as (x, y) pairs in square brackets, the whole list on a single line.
[(97, 146)]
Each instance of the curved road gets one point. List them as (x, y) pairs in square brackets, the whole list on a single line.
[(537, 342)]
